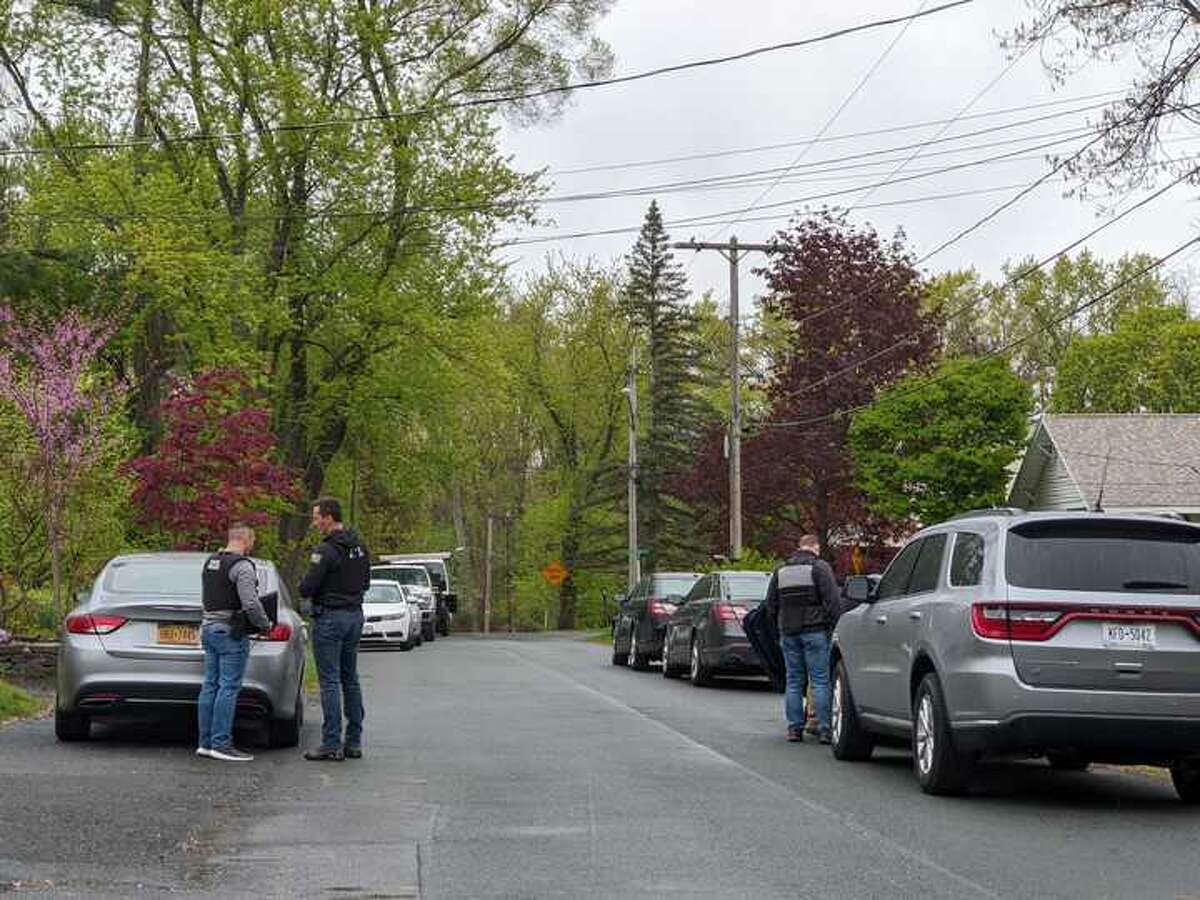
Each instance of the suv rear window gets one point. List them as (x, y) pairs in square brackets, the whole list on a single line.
[(1122, 557)]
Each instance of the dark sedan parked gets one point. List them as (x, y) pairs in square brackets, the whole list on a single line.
[(704, 636), (639, 627)]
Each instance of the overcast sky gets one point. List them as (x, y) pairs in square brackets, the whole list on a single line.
[(934, 70)]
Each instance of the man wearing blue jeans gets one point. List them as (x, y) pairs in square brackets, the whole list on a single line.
[(231, 608), (338, 576), (802, 597)]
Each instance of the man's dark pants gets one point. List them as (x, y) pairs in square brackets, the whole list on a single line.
[(336, 635)]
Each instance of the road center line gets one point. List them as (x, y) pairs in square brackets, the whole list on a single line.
[(863, 832)]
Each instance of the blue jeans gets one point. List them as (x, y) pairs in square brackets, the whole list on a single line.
[(807, 657), (336, 634), (224, 665)]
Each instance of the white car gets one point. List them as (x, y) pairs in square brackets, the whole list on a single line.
[(388, 616), (417, 583)]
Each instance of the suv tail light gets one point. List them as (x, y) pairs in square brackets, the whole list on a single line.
[(726, 612), (1001, 621), (659, 608), (91, 623), (278, 632)]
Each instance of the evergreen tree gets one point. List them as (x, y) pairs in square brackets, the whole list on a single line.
[(675, 413)]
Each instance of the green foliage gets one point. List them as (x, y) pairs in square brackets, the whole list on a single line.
[(931, 447), (16, 703), (751, 560), (1150, 362)]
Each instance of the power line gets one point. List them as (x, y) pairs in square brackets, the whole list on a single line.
[(895, 129), (202, 137)]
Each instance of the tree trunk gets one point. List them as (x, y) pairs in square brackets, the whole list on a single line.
[(568, 595)]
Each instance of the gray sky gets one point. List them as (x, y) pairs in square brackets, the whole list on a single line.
[(934, 70)]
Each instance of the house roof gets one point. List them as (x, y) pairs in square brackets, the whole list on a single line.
[(1141, 461)]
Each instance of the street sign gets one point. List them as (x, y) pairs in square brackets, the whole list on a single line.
[(556, 573)]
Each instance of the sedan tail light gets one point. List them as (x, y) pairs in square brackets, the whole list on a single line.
[(660, 608), (279, 632), (726, 612), (93, 623)]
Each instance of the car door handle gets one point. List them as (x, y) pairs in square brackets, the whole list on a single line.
[(881, 620), (915, 616)]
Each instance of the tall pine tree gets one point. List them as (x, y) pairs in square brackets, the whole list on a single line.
[(674, 413)]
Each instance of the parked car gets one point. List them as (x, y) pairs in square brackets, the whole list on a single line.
[(415, 612), (134, 647), (387, 617), (446, 601), (704, 635), (1074, 636), (417, 582), (638, 634)]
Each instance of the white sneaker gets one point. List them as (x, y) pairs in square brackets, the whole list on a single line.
[(203, 751), (230, 754)]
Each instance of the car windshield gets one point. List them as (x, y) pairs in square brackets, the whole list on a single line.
[(411, 575), (178, 576), (1114, 556), (746, 589), (666, 585), (384, 593)]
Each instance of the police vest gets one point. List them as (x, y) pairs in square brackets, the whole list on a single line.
[(219, 592), (800, 606)]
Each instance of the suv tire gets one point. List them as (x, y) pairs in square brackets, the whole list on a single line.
[(1186, 775), (71, 727), (619, 657), (851, 742), (668, 670), (637, 661), (940, 769)]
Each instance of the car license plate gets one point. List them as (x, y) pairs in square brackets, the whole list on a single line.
[(179, 635), (1123, 636)]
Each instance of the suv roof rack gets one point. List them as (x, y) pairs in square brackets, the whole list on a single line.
[(993, 511)]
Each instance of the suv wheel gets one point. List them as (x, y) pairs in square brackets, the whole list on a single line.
[(70, 727), (850, 740), (638, 661), (669, 671), (1067, 761), (699, 673), (1186, 775), (940, 769)]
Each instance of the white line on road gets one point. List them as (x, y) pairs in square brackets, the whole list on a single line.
[(863, 832)]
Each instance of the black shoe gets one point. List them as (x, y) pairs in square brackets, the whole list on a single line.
[(333, 754), (352, 752), (826, 737)]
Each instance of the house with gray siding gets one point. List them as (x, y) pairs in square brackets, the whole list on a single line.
[(1146, 463)]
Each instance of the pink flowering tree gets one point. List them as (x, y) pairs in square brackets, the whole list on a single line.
[(44, 373)]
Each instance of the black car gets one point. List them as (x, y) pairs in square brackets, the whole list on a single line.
[(638, 631), (704, 636)]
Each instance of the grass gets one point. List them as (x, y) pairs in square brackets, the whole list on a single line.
[(600, 637), (16, 703), (310, 672)]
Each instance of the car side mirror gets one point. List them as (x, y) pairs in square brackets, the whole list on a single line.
[(861, 588), (451, 602)]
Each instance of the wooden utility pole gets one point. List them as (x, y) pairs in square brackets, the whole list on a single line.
[(732, 251), (630, 391), (487, 578)]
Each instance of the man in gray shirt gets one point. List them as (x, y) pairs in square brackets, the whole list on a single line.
[(231, 608)]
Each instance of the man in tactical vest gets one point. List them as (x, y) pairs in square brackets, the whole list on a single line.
[(338, 576), (803, 599), (231, 610)]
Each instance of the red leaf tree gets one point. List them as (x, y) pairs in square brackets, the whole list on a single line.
[(215, 463), (850, 297)]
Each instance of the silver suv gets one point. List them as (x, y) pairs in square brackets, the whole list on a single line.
[(1074, 636)]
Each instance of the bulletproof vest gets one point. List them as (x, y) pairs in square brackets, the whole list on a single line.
[(796, 586), (218, 592), (346, 582)]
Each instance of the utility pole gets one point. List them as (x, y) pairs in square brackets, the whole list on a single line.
[(508, 521), (732, 251), (487, 579), (630, 392)]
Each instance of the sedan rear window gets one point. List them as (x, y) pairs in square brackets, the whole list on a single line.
[(1115, 556), (665, 586), (747, 588), (154, 576)]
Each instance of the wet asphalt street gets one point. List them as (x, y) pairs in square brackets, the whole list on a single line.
[(534, 768)]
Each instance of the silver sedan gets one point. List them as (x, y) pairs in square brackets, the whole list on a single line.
[(133, 647)]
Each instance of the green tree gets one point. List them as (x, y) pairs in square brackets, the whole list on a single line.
[(674, 408), (1149, 363), (932, 446)]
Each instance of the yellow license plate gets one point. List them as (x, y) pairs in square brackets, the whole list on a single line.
[(179, 635)]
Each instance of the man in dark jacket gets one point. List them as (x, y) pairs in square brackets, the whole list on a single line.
[(338, 576), (803, 599)]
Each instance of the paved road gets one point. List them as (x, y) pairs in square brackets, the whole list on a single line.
[(536, 769)]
